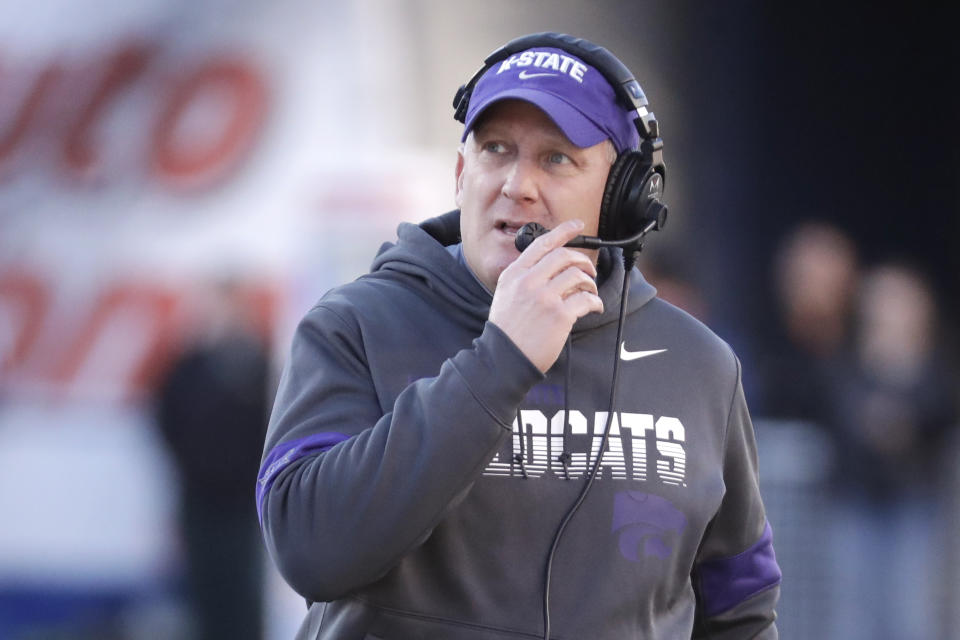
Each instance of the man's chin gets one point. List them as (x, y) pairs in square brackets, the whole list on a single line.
[(490, 271)]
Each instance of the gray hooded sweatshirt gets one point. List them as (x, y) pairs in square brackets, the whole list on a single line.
[(417, 467)]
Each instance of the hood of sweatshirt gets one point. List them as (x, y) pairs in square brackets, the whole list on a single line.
[(420, 253), (397, 487)]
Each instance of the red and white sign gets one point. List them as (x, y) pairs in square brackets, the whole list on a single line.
[(145, 152)]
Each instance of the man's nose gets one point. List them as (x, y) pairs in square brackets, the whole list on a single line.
[(520, 183)]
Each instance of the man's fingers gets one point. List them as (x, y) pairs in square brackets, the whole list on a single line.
[(540, 295), (583, 302), (563, 258), (571, 280)]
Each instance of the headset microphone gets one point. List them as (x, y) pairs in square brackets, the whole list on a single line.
[(533, 230)]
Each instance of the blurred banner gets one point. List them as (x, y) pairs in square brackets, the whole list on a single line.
[(147, 151)]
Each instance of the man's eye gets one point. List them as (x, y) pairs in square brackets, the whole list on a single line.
[(493, 147), (559, 158)]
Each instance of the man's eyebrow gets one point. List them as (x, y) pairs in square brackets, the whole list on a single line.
[(482, 126), (552, 138)]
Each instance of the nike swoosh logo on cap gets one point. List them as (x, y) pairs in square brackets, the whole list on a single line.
[(526, 76), (636, 355)]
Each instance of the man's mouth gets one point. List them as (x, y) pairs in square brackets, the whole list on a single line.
[(508, 228)]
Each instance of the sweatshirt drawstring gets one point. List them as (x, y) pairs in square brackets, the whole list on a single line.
[(521, 436), (566, 458)]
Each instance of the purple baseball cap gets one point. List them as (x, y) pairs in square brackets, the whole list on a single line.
[(572, 93)]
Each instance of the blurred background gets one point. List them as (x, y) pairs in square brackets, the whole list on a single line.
[(181, 180)]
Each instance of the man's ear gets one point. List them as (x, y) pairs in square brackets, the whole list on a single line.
[(459, 176)]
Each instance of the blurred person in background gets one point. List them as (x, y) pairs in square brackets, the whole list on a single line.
[(804, 359), (898, 408), (212, 409)]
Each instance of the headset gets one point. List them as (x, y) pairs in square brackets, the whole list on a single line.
[(631, 205)]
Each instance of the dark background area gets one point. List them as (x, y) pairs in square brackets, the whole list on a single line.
[(842, 113)]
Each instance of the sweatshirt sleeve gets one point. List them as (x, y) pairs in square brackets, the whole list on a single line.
[(346, 487), (736, 575)]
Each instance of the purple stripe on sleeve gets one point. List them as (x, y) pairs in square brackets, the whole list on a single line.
[(726, 582), (281, 456)]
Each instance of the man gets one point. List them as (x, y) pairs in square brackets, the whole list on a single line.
[(439, 417), (215, 397)]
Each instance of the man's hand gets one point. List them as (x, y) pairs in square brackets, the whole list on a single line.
[(543, 292)]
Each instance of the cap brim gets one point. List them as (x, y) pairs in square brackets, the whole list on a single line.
[(578, 128)]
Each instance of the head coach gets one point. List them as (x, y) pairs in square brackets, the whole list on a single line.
[(500, 431)]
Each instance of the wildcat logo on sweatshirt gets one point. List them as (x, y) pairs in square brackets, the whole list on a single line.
[(646, 525)]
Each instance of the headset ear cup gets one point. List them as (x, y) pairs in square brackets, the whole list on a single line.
[(609, 209), (615, 210)]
